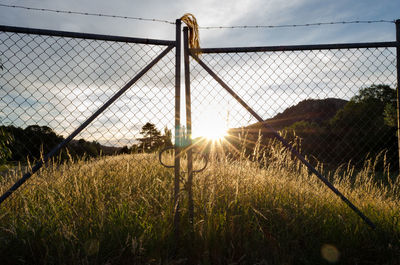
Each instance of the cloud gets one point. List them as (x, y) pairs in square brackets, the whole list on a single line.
[(212, 13), (85, 85)]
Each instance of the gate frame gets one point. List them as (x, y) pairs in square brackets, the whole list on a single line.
[(88, 36), (192, 52)]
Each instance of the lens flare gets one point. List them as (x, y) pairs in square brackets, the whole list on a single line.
[(330, 253)]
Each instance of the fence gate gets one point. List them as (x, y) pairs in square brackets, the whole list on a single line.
[(102, 90), (324, 96)]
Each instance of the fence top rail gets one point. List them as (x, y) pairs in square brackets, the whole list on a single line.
[(299, 47), (90, 36)]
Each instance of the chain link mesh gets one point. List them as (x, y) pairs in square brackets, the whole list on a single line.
[(50, 85), (319, 97), (316, 95)]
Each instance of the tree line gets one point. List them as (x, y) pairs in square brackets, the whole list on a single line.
[(34, 141)]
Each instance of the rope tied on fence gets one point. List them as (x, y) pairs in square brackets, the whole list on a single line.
[(194, 36)]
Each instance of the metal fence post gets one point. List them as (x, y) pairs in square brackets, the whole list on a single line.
[(398, 84), (188, 126), (177, 127)]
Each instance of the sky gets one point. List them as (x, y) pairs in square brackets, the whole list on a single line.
[(56, 100), (217, 13)]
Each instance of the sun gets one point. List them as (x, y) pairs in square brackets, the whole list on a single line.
[(213, 132), (210, 126)]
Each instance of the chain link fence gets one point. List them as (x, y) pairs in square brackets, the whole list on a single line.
[(336, 105), (49, 85)]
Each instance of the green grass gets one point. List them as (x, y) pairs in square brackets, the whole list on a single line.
[(118, 210)]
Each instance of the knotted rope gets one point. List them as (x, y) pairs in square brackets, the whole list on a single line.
[(194, 36)]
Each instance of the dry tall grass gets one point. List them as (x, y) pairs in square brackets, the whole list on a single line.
[(119, 210)]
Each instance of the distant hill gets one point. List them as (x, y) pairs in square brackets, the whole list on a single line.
[(310, 110)]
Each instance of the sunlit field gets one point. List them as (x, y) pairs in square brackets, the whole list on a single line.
[(119, 210)]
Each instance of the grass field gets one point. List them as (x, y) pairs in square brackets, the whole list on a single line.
[(118, 210)]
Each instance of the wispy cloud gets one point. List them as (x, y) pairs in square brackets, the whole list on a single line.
[(94, 79), (215, 13)]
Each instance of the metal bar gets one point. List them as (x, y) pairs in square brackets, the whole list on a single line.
[(38, 165), (298, 47), (188, 126), (177, 160), (398, 84), (90, 36), (285, 143)]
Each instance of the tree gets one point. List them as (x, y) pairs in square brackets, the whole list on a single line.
[(376, 93), (124, 150), (371, 108), (5, 142), (365, 125), (167, 137), (390, 115), (152, 138), (41, 139), (30, 142), (83, 148)]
